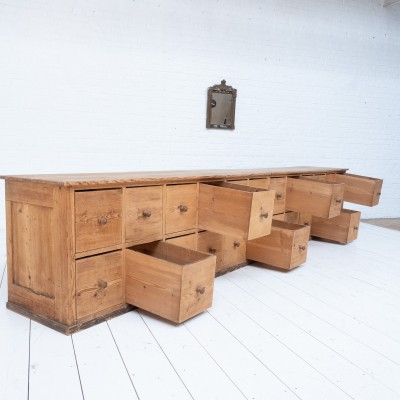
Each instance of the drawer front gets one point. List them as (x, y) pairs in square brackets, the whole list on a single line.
[(279, 185), (235, 210), (314, 197), (234, 251), (210, 242), (292, 217), (168, 280), (341, 229), (263, 183), (360, 189), (181, 208), (186, 241), (99, 284), (98, 219), (143, 214), (286, 246)]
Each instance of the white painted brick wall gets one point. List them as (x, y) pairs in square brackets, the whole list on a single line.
[(112, 85)]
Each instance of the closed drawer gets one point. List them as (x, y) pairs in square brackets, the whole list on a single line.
[(143, 214), (286, 246), (187, 241), (234, 252), (170, 281), (341, 229), (98, 219), (99, 284), (314, 197), (235, 210), (181, 208), (212, 243), (279, 185)]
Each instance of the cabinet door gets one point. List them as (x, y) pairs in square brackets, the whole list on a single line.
[(98, 219), (181, 208), (143, 214)]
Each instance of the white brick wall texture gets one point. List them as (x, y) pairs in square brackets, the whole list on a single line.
[(120, 85)]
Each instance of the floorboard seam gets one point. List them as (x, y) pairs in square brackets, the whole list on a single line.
[(219, 366), (258, 359), (123, 361), (77, 367), (158, 344)]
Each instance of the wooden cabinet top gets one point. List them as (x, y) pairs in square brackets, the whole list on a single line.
[(146, 177)]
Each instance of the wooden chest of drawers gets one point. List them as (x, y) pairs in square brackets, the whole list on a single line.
[(82, 248)]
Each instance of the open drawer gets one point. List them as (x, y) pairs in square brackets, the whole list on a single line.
[(170, 281), (285, 247), (358, 189), (314, 197), (235, 210), (341, 229)]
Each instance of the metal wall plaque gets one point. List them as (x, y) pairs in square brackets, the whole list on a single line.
[(221, 103)]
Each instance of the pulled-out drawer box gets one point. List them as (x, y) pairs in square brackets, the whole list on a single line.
[(358, 189), (341, 229), (314, 197), (235, 210), (286, 246), (170, 281)]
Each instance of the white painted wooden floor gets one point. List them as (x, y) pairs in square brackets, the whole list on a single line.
[(327, 330)]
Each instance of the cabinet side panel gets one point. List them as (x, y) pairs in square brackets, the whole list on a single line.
[(63, 242), (32, 248)]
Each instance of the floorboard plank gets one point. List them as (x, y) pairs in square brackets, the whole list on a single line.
[(14, 350), (151, 372), (370, 361), (251, 376), (102, 372), (201, 375), (52, 364), (348, 377)]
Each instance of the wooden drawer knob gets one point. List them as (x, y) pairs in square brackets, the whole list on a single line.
[(102, 284), (338, 201), (236, 244), (212, 250), (278, 196), (201, 290), (302, 247), (183, 208), (264, 215), (102, 220), (146, 213), (355, 228)]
